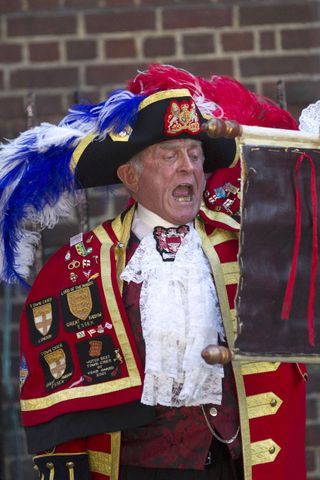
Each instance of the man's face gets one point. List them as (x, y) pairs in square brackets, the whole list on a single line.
[(172, 180)]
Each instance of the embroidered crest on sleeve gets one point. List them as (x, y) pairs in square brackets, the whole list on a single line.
[(181, 117), (57, 365), (81, 306), (43, 320), (99, 359)]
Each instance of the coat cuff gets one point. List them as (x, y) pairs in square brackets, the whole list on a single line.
[(62, 466)]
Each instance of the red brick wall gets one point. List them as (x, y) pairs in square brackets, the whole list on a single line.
[(53, 48)]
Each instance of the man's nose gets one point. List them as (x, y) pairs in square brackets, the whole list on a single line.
[(185, 164)]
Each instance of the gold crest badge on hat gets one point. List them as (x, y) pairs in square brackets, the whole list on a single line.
[(182, 117)]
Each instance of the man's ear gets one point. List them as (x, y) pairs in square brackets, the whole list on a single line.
[(128, 176)]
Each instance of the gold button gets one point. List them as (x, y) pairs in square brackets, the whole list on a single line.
[(213, 412), (272, 449), (273, 402), (49, 465), (70, 465)]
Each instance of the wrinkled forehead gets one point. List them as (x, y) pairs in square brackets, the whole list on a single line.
[(179, 143), (171, 145)]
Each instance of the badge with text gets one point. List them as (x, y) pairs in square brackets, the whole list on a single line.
[(168, 240), (43, 320), (99, 359), (81, 306), (57, 365)]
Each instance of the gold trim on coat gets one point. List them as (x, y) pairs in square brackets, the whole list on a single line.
[(217, 271), (100, 462), (220, 217), (263, 404), (249, 368), (231, 272), (107, 463), (115, 451), (105, 264), (264, 451)]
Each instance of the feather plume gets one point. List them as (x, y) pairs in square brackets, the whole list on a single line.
[(35, 179), (221, 96), (246, 107), (36, 182), (163, 77), (114, 115)]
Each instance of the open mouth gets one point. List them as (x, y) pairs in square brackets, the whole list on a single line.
[(183, 192)]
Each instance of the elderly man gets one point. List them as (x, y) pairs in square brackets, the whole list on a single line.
[(114, 326)]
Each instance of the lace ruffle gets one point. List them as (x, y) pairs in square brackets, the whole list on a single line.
[(180, 316), (309, 120)]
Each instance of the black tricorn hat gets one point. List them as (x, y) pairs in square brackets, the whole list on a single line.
[(44, 165), (162, 116)]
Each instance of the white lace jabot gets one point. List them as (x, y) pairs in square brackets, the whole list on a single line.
[(180, 315)]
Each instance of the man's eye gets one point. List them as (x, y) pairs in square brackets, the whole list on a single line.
[(195, 156), (170, 156)]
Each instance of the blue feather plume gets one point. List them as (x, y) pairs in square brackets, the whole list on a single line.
[(34, 176), (114, 115), (36, 182)]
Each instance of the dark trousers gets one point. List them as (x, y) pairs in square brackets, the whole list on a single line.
[(222, 467)]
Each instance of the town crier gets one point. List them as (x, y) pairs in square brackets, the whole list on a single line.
[(113, 384)]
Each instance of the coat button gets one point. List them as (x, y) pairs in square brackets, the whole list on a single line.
[(273, 402), (213, 412), (272, 449)]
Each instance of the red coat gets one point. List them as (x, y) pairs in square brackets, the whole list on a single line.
[(271, 396)]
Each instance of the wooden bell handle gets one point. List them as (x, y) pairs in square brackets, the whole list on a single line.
[(216, 354), (222, 128)]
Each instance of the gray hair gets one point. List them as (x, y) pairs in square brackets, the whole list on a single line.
[(136, 162)]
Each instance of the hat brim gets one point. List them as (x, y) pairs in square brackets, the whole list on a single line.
[(96, 161)]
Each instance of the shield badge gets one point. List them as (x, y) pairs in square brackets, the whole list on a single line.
[(80, 302), (95, 348), (182, 117), (57, 362), (42, 316)]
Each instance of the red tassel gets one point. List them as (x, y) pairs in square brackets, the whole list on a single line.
[(286, 307)]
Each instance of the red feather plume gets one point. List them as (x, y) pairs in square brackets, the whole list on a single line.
[(225, 97)]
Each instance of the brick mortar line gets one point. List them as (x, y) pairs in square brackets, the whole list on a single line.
[(81, 28), (178, 56), (90, 11), (158, 33), (194, 30), (62, 10)]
